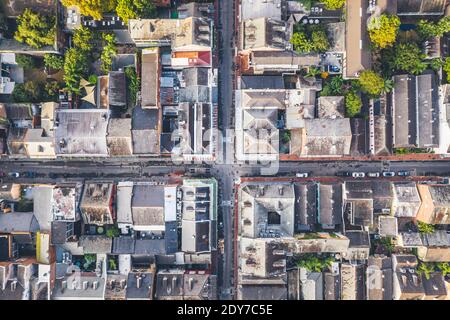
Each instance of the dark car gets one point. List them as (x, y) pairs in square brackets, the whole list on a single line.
[(389, 174), (30, 174), (403, 173), (344, 174)]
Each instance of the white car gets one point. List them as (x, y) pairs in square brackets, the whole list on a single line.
[(358, 174), (302, 175), (373, 174)]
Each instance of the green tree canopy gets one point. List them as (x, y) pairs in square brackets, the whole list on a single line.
[(53, 61), (333, 4), (428, 29), (310, 39), (383, 30), (132, 9), (93, 8), (371, 83), (353, 104), (26, 61), (83, 39), (35, 30), (408, 57), (425, 228), (109, 51), (75, 67), (446, 68)]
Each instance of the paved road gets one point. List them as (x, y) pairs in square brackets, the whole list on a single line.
[(225, 173)]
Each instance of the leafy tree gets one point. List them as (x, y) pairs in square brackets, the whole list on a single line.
[(425, 228), (75, 67), (383, 30), (112, 232), (334, 87), (301, 42), (93, 79), (444, 267), (25, 61), (112, 264), (53, 61), (446, 68), (35, 30), (51, 89), (425, 269), (428, 29), (310, 39), (109, 51), (408, 58), (133, 83), (353, 104), (19, 93), (29, 91), (93, 8), (371, 83), (83, 39), (132, 9), (333, 4), (388, 85), (313, 72), (313, 263), (436, 64)]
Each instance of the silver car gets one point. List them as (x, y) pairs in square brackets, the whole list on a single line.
[(358, 174)]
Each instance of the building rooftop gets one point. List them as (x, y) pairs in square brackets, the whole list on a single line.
[(81, 132), (265, 33)]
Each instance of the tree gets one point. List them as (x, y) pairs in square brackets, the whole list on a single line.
[(444, 267), (29, 91), (19, 93), (53, 61), (436, 64), (51, 89), (133, 83), (112, 232), (353, 104), (93, 8), (25, 61), (132, 9), (310, 39), (83, 38), (109, 51), (428, 29), (446, 68), (301, 42), (425, 269), (425, 228), (313, 263), (75, 67), (333, 4), (408, 57), (383, 30), (35, 30), (371, 83)]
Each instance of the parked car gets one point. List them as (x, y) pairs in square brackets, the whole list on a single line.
[(30, 174), (302, 175), (403, 173), (344, 174), (388, 174), (14, 174), (373, 174), (358, 174)]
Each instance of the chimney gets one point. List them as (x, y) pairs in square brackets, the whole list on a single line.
[(123, 283), (95, 285), (85, 285), (13, 285), (138, 281), (64, 284), (191, 284)]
